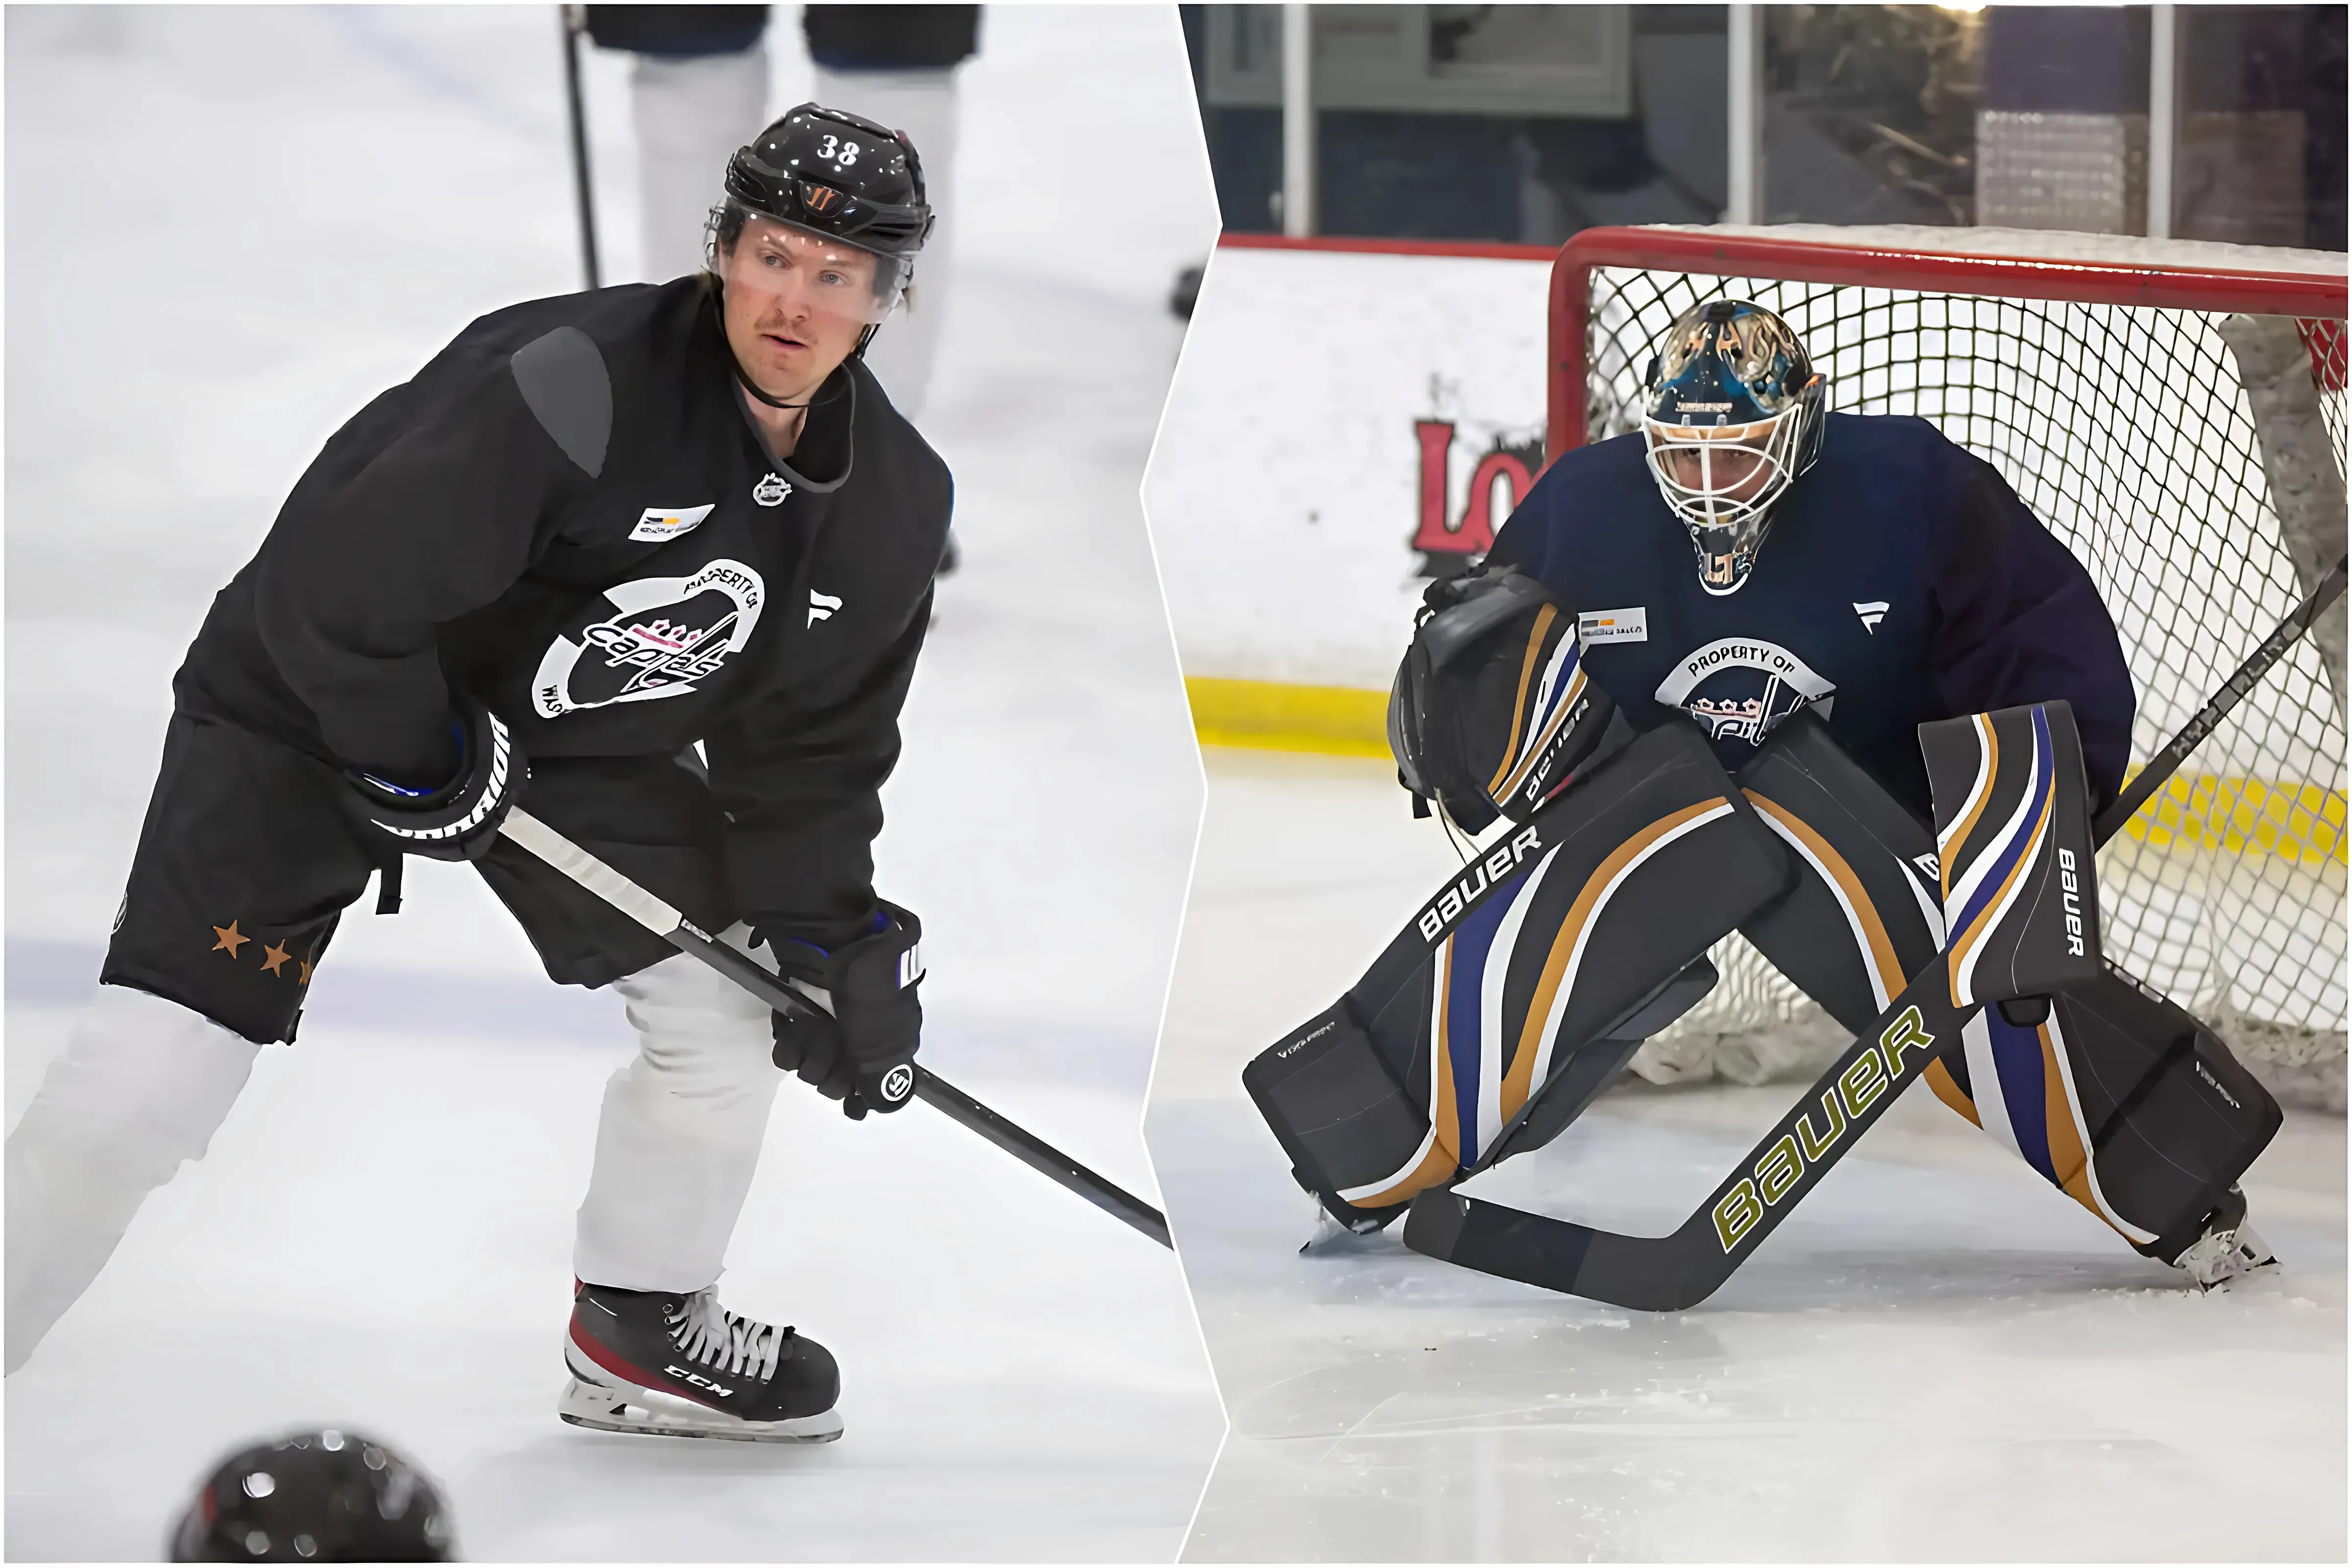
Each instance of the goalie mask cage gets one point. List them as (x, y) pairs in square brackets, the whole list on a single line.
[(2174, 412)]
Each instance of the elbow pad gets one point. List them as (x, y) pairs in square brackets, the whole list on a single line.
[(1492, 712)]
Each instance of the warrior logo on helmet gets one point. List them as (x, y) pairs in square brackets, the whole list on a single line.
[(1733, 413)]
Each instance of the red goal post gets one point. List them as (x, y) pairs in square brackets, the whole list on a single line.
[(2316, 300), (2174, 411)]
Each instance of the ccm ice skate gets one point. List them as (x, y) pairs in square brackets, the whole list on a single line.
[(677, 1365), (2229, 1246)]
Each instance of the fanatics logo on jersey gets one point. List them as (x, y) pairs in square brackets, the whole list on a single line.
[(1741, 687), (1594, 627), (661, 523), (771, 490), (1871, 611), (666, 635), (822, 606)]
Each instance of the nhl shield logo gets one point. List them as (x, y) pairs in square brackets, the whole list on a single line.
[(666, 636), (771, 490)]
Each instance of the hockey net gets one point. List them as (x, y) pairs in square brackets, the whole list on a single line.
[(2174, 412)]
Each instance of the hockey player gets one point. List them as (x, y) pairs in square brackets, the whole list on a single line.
[(1854, 578), (593, 531), (1904, 581)]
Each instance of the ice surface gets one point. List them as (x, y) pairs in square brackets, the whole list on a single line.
[(227, 229), (1936, 1357)]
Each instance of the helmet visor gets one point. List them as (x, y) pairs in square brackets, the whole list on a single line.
[(798, 271)]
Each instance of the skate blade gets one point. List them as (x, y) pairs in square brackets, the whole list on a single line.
[(2241, 1255), (648, 1413)]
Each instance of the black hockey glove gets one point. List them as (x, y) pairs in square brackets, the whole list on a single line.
[(460, 820), (855, 1041), (1492, 712)]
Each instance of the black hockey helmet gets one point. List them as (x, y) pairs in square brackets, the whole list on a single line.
[(325, 1496), (837, 174), (1733, 412)]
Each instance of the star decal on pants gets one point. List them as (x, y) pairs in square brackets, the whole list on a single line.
[(230, 940)]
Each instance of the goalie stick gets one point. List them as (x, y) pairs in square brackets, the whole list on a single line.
[(674, 928), (1674, 1272)]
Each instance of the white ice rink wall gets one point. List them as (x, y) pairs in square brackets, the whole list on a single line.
[(1343, 411)]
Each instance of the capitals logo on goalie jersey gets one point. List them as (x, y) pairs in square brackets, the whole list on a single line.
[(1741, 687)]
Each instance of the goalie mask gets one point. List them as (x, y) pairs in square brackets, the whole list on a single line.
[(1492, 711), (1732, 411)]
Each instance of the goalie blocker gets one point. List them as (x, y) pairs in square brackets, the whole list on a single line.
[(2114, 1095)]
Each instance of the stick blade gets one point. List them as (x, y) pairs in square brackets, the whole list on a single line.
[(1645, 1275)]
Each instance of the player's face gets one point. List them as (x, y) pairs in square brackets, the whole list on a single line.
[(795, 305), (1726, 464)]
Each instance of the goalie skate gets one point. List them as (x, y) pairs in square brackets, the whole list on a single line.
[(669, 1365), (2228, 1249)]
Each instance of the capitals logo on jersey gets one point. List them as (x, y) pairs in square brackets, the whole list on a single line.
[(665, 635), (1741, 687)]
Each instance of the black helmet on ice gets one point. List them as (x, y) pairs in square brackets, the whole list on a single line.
[(1733, 410), (324, 1496)]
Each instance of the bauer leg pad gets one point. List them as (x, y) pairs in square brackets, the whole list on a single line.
[(2122, 1101), (1863, 914), (1571, 929)]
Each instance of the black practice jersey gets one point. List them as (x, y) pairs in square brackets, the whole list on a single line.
[(570, 513), (1902, 581)]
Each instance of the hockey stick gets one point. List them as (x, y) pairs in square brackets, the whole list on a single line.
[(575, 21), (2162, 766), (528, 832), (1672, 1273)]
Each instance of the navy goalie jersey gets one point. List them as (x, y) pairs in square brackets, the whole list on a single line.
[(1902, 581)]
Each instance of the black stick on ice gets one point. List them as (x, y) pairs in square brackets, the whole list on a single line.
[(575, 21), (1674, 1272), (666, 922)]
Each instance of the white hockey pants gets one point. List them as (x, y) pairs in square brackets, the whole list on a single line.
[(689, 116), (923, 104), (681, 1129), (141, 1087), (143, 1083)]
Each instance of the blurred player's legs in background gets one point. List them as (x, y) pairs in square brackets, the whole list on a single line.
[(697, 90), (897, 65), (923, 105), (690, 115)]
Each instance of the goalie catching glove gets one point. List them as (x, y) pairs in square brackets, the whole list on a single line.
[(458, 821), (1492, 711), (855, 1041)]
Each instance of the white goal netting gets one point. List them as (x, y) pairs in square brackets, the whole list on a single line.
[(2161, 445)]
